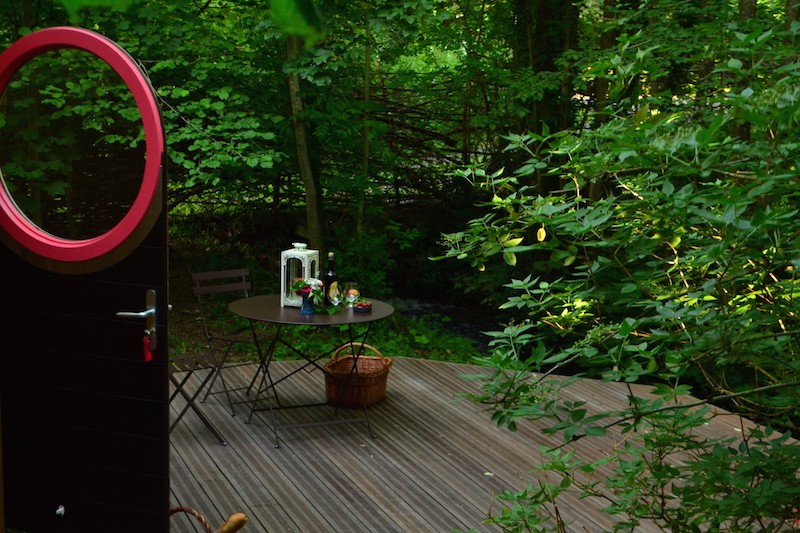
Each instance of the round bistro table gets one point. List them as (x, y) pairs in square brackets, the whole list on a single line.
[(268, 309)]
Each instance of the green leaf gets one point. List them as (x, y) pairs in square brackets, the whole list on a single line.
[(735, 63), (595, 431), (626, 327), (73, 6), (56, 188), (298, 17), (628, 288), (577, 415)]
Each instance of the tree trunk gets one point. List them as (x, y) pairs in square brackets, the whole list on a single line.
[(792, 12), (543, 31), (607, 40), (598, 187), (465, 118), (747, 11), (362, 193), (706, 66), (313, 196), (566, 115), (475, 83), (26, 13)]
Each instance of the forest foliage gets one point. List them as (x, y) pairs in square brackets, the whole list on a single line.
[(619, 178)]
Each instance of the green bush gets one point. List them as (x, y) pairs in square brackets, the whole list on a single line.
[(683, 277)]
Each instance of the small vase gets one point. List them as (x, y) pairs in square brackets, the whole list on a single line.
[(307, 308)]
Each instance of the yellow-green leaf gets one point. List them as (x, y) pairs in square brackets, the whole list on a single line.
[(510, 258), (642, 114)]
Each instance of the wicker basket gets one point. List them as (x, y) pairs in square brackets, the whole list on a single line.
[(341, 388)]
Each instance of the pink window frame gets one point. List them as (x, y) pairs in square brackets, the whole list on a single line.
[(15, 223)]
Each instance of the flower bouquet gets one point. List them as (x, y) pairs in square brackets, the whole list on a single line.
[(310, 288)]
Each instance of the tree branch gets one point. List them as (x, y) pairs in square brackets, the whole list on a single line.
[(698, 403)]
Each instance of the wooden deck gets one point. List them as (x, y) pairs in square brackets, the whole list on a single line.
[(432, 468)]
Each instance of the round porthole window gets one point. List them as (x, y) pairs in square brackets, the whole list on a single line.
[(81, 149)]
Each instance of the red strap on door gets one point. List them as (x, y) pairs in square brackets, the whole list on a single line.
[(148, 355)]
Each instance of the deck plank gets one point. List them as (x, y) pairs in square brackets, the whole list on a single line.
[(433, 467)]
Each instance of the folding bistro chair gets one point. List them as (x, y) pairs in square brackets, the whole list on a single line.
[(225, 282), (190, 363)]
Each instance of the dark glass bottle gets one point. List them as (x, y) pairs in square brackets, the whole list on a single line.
[(330, 281)]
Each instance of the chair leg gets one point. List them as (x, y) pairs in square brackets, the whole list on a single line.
[(178, 387), (227, 391), (190, 403), (216, 369), (210, 385), (217, 373)]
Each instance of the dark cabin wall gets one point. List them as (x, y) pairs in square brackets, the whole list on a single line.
[(84, 418)]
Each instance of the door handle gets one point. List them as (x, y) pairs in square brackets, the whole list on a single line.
[(149, 315), (133, 314)]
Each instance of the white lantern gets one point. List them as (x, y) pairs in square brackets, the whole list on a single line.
[(297, 263)]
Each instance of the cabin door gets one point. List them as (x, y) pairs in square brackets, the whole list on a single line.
[(83, 390)]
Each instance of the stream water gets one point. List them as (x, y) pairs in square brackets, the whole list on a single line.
[(467, 322)]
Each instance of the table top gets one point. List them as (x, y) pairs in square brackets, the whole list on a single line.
[(268, 309)]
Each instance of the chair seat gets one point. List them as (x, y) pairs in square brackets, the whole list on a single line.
[(186, 362)]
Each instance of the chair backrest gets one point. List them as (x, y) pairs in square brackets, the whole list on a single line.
[(221, 281)]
